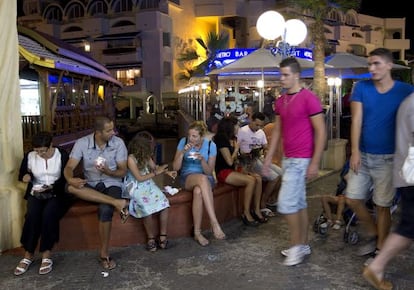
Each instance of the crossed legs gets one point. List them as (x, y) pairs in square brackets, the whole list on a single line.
[(203, 197)]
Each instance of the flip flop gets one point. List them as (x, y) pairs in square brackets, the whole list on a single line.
[(47, 268), (21, 270), (267, 212)]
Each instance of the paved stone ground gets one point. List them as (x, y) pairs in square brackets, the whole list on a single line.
[(249, 259)]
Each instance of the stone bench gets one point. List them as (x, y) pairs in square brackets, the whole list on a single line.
[(79, 226)]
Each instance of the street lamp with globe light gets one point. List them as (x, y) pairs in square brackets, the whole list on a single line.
[(272, 25)]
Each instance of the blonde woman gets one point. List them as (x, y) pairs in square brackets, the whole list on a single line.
[(195, 158)]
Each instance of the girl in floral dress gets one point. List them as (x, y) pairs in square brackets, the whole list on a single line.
[(146, 197)]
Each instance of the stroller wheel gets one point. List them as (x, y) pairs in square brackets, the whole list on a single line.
[(353, 238), (346, 235)]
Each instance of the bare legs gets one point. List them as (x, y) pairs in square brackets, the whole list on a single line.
[(105, 235), (252, 191), (93, 195), (383, 224), (148, 222), (298, 227), (374, 272), (203, 195), (270, 192)]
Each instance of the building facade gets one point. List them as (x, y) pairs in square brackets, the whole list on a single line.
[(140, 41)]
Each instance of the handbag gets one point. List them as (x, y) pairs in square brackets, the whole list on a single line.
[(45, 193), (407, 170)]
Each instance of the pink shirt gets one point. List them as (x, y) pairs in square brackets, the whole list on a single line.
[(295, 111)]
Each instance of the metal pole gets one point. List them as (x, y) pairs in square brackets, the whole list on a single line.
[(330, 112), (338, 111)]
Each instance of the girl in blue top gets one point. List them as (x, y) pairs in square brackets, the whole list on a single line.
[(195, 158)]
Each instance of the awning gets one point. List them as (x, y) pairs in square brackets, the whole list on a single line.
[(37, 54)]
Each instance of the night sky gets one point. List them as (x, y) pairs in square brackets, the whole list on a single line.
[(395, 8)]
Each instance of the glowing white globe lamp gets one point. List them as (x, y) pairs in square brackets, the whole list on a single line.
[(295, 33), (270, 25)]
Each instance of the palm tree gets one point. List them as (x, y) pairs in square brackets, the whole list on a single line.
[(212, 44), (320, 10)]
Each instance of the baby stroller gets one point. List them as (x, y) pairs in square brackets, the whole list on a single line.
[(321, 223), (351, 235)]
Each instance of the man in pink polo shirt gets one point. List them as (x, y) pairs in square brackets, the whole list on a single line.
[(301, 124)]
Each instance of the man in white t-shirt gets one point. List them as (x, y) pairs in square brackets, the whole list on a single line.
[(253, 147)]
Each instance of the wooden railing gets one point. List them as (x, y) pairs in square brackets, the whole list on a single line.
[(69, 124)]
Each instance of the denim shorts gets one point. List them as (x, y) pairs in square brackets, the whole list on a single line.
[(106, 211), (375, 171), (211, 179), (292, 194), (274, 170)]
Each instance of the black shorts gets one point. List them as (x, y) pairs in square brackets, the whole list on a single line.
[(406, 226)]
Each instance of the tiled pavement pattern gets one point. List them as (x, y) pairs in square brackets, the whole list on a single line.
[(249, 259)]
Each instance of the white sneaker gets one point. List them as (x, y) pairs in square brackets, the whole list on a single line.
[(295, 256), (305, 248)]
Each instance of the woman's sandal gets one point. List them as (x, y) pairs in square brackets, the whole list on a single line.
[(107, 263), (261, 220), (23, 266), (218, 235), (46, 266), (151, 245), (163, 243), (267, 212), (200, 239)]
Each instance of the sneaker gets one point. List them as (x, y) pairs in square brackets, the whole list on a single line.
[(371, 258), (295, 256), (305, 248), (337, 225), (368, 248)]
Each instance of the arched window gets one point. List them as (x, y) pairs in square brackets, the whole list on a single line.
[(119, 6), (98, 8), (53, 14), (75, 10)]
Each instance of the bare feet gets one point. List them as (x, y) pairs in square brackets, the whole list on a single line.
[(218, 232), (200, 239)]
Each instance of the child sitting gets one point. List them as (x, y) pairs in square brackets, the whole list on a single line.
[(329, 202), (146, 197)]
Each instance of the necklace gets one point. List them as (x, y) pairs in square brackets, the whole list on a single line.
[(289, 98)]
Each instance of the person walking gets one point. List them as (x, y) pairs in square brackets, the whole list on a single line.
[(104, 161), (374, 105), (403, 236), (300, 123)]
